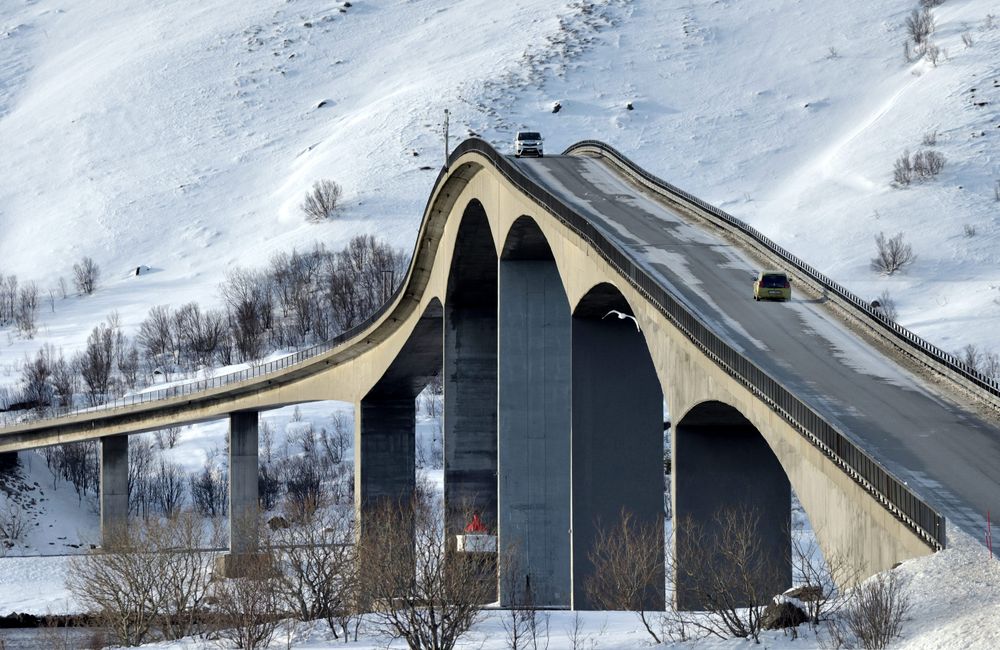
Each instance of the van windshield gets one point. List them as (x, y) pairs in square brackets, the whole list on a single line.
[(529, 135)]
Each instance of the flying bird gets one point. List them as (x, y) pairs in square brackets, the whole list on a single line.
[(622, 316)]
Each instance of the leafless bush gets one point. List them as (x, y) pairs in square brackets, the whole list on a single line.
[(969, 230), (875, 611), (210, 491), (412, 591), (249, 310), (967, 39), (150, 575), (928, 4), (248, 607), (86, 273), (891, 254), (731, 568), (933, 53), (821, 578), (902, 170), (321, 201), (628, 568), (920, 25), (525, 626), (319, 571), (169, 487), (971, 356), (885, 305), (996, 190), (8, 298), (14, 524), (930, 138)]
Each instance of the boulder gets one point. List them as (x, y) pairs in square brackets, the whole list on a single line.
[(782, 614)]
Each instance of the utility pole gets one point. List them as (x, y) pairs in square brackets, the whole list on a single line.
[(446, 138)]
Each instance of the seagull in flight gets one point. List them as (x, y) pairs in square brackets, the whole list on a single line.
[(623, 316)]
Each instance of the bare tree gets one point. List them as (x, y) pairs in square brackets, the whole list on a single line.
[(902, 171), (892, 254), (628, 568), (168, 488), (412, 591), (876, 610), (35, 374), (927, 164), (95, 363), (321, 201), (821, 578), (86, 273), (27, 310)]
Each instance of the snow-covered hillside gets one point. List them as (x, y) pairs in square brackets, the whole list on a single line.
[(183, 136)]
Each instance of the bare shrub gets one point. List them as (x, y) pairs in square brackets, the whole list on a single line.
[(920, 25), (168, 486), (249, 309), (319, 571), (930, 138), (971, 356), (247, 608), (822, 577), (86, 273), (525, 626), (967, 39), (996, 190), (875, 611), (129, 583), (927, 164), (35, 374), (628, 568), (902, 170), (891, 254), (14, 524), (885, 305), (732, 569), (95, 363), (927, 4), (969, 230), (321, 201), (65, 381), (412, 591)]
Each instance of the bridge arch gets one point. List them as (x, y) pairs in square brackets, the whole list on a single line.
[(470, 375), (726, 481), (617, 430)]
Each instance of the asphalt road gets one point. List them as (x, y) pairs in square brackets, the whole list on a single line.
[(946, 454)]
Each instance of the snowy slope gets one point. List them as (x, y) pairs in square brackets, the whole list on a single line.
[(183, 136)]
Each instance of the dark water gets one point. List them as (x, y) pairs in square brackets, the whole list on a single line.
[(39, 638)]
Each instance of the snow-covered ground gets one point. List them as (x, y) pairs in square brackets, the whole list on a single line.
[(183, 137)]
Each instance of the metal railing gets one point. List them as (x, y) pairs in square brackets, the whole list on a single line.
[(897, 498)]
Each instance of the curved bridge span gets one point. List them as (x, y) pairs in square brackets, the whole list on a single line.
[(567, 299)]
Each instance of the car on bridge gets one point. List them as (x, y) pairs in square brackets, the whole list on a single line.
[(528, 143), (772, 285)]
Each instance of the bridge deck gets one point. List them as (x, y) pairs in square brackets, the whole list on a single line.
[(924, 438)]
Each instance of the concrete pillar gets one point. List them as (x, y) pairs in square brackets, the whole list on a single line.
[(617, 442), (385, 451), (533, 432), (243, 504), (114, 486), (722, 465), (470, 416)]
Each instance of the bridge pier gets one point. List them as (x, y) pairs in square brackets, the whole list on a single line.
[(243, 504), (728, 487), (534, 433), (384, 468), (617, 438), (114, 487)]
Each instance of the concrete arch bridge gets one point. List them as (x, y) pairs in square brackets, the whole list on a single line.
[(567, 298)]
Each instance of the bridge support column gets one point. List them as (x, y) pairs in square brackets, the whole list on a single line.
[(470, 420), (243, 505), (728, 486), (385, 452), (534, 433), (114, 487), (617, 442)]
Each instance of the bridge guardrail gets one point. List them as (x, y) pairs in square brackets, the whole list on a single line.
[(871, 475)]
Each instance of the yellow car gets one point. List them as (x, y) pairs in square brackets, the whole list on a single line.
[(772, 285)]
